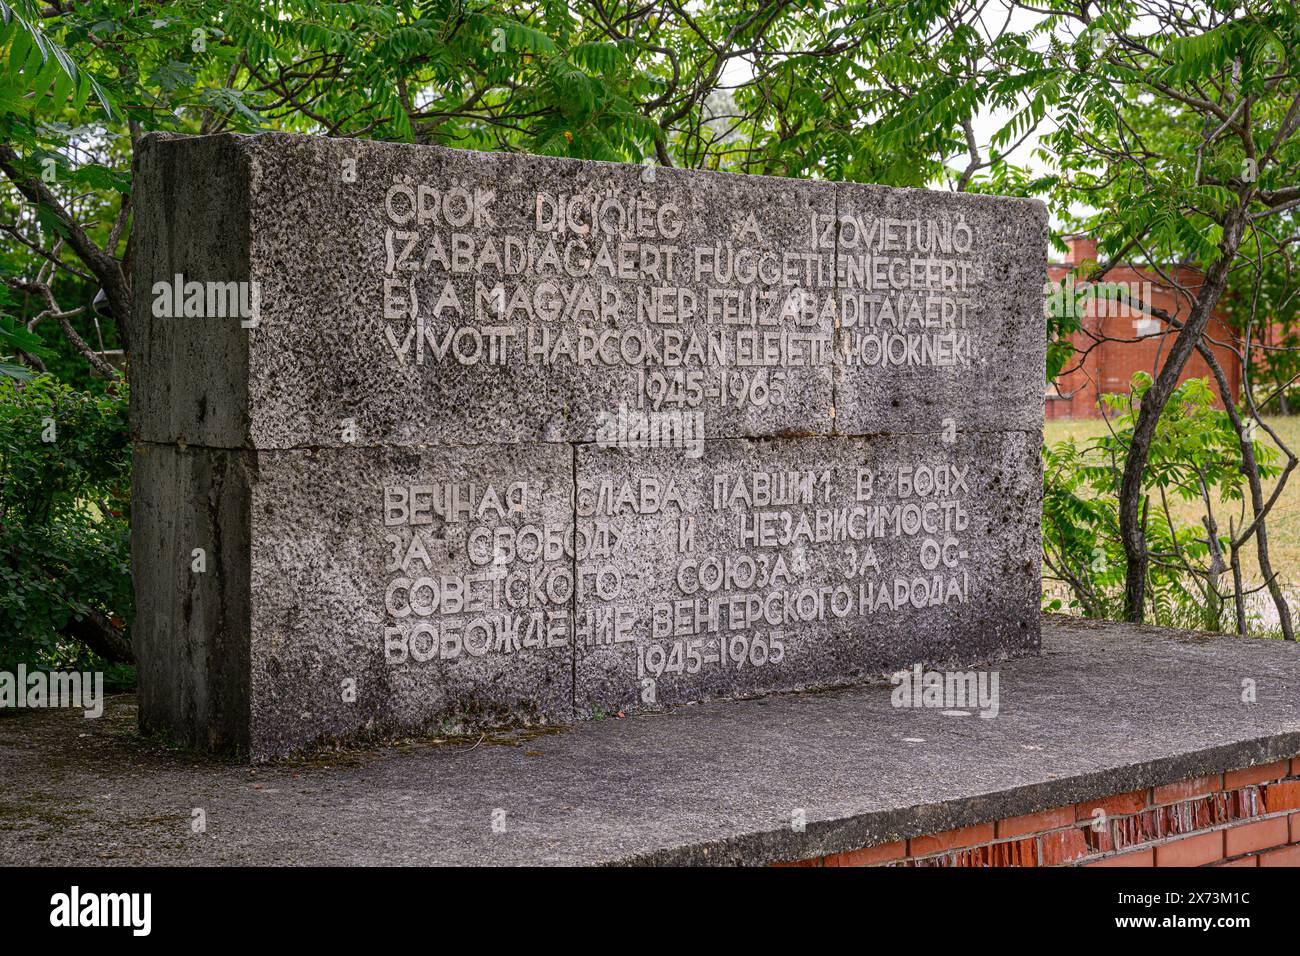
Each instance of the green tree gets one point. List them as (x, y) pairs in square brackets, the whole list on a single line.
[(1194, 457), (1174, 140), (64, 537), (1169, 131)]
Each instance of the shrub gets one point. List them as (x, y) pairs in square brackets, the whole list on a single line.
[(1195, 457), (65, 482)]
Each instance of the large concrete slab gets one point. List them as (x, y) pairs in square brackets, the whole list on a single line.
[(329, 332), (743, 297), (1106, 709), (349, 591), (389, 301), (191, 630), (778, 564)]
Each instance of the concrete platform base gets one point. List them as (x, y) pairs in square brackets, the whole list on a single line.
[(1106, 709)]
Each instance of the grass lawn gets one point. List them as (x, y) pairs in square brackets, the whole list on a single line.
[(1283, 520)]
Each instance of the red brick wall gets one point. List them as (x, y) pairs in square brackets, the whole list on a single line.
[(1247, 817), (1109, 367)]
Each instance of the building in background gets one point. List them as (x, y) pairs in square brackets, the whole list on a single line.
[(1108, 366)]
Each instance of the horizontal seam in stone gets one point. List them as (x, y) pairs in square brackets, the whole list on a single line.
[(399, 446)]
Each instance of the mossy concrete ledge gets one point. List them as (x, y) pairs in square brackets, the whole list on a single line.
[(1105, 709)]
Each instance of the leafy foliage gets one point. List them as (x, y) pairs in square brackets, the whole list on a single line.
[(40, 65), (1141, 143), (1195, 457), (64, 540)]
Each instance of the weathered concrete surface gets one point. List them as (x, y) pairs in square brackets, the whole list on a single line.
[(312, 220), (430, 322), (191, 628), (302, 552), (454, 636), (1107, 708), (778, 589), (999, 347), (191, 377)]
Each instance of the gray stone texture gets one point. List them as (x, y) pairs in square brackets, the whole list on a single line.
[(999, 385), (823, 577), (328, 582), (191, 630), (1106, 709), (435, 321)]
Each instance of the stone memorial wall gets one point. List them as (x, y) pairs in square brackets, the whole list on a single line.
[(427, 437)]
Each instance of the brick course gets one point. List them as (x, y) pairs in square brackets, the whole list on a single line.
[(1255, 836), (1245, 817)]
